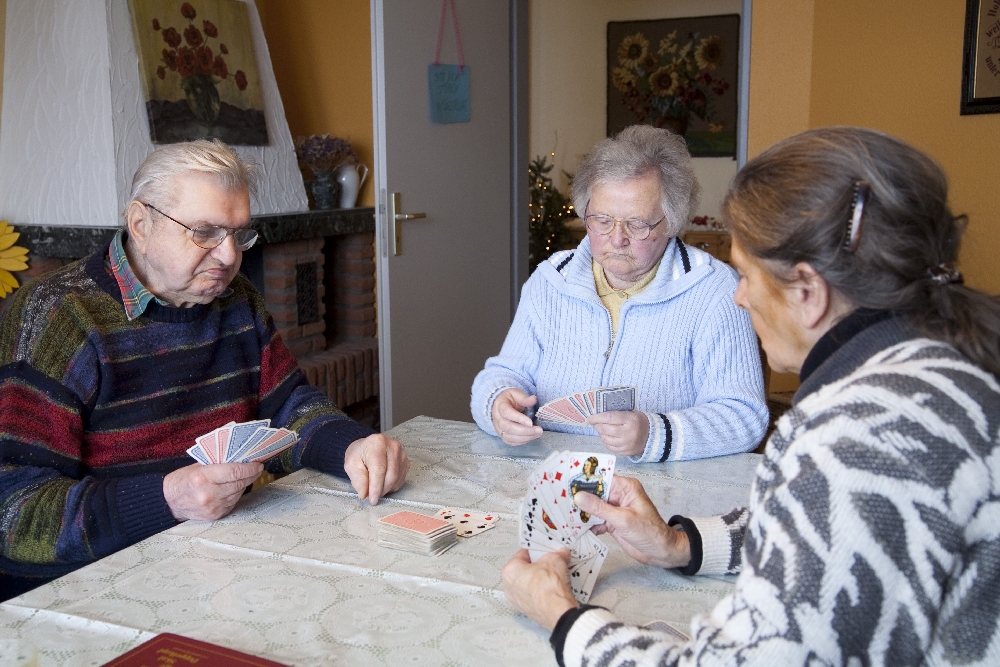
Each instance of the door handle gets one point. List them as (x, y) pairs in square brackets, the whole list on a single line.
[(396, 217)]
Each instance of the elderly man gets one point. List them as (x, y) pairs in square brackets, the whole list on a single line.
[(113, 365), (632, 305)]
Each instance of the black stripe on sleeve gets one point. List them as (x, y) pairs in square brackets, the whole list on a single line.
[(669, 437), (694, 539), (558, 639)]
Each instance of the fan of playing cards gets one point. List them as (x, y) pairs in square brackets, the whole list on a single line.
[(550, 520), (575, 408), (242, 443)]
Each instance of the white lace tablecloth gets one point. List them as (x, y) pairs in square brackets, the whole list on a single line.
[(294, 573)]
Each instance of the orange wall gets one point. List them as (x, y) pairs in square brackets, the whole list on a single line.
[(896, 66), (893, 65), (321, 52)]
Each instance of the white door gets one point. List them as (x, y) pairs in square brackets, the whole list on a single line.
[(444, 302)]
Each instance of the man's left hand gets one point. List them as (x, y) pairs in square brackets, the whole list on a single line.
[(539, 590), (377, 465), (623, 432)]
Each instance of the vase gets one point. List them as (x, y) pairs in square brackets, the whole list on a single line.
[(677, 124), (202, 97), (350, 181), (323, 190)]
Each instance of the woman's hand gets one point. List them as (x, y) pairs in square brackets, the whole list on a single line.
[(623, 432), (632, 519), (511, 424), (539, 590)]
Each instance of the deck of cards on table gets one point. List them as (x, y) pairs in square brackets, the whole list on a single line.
[(242, 443), (575, 408), (550, 520), (431, 535)]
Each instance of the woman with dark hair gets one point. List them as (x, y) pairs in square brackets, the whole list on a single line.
[(873, 530)]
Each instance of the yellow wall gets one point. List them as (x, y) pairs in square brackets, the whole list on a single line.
[(896, 66), (893, 65), (321, 52)]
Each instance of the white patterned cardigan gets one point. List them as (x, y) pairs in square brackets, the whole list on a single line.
[(873, 531)]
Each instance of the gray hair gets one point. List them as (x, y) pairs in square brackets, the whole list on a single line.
[(154, 179), (635, 152)]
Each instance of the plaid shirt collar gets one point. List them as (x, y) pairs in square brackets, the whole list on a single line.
[(135, 296)]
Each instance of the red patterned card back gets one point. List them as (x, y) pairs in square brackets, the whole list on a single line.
[(168, 649)]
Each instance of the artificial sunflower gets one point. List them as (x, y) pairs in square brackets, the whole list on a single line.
[(668, 45), (12, 258), (710, 53), (633, 50)]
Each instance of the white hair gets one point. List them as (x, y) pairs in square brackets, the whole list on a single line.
[(635, 152), (154, 179)]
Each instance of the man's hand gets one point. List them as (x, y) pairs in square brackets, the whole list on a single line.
[(511, 424), (376, 465), (623, 432), (539, 590), (635, 524), (206, 493)]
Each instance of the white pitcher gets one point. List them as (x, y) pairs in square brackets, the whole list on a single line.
[(350, 183)]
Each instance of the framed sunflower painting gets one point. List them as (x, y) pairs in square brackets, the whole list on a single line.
[(680, 74), (199, 71)]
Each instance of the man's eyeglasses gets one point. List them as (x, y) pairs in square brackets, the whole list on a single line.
[(210, 236), (637, 230)]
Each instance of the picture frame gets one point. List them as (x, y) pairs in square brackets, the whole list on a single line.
[(681, 74), (198, 70), (981, 58)]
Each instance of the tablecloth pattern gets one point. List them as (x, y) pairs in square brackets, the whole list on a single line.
[(294, 573)]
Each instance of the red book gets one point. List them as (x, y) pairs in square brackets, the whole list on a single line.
[(168, 649)]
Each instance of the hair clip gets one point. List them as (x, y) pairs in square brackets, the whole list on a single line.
[(861, 192), (942, 274)]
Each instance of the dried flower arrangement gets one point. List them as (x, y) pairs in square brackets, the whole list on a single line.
[(323, 153)]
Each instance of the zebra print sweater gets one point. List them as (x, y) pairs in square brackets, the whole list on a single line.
[(873, 530)]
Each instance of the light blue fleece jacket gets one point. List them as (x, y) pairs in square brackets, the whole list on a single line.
[(682, 342)]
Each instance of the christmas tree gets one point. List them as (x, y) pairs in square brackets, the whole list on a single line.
[(549, 210)]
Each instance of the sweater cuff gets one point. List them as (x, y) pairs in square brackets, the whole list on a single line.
[(328, 445), (141, 507), (694, 540), (717, 544), (574, 631), (487, 424), (657, 449)]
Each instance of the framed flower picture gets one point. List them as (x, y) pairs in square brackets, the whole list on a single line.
[(198, 71), (680, 74)]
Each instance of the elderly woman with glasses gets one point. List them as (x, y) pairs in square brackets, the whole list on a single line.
[(635, 306), (113, 365)]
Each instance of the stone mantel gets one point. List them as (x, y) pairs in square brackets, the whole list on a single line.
[(75, 242)]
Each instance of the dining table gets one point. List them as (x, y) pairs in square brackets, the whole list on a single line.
[(295, 574)]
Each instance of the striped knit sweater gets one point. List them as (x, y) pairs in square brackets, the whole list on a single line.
[(689, 351), (873, 531), (95, 410)]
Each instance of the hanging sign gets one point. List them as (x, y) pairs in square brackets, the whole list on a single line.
[(449, 84)]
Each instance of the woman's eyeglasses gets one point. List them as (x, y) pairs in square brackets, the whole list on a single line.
[(637, 230), (211, 236)]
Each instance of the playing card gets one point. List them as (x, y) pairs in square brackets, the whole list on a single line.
[(561, 409), (418, 523), (239, 435), (468, 523), (208, 445), (198, 454), (279, 441), (615, 398), (544, 529), (592, 473)]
